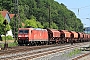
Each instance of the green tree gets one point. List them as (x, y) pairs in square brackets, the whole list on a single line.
[(40, 10), (53, 25), (2, 26), (32, 22)]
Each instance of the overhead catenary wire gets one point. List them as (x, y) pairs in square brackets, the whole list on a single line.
[(78, 9), (81, 7)]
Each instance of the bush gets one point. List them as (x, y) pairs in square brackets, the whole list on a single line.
[(7, 37), (10, 44), (13, 44)]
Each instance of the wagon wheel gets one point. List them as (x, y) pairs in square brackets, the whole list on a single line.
[(62, 41), (71, 41)]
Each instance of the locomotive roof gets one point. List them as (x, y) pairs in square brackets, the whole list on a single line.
[(24, 28), (32, 29), (38, 29)]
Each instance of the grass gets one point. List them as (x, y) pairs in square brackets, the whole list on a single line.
[(9, 40), (10, 44), (74, 52)]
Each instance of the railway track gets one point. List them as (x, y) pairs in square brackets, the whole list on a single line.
[(84, 56), (24, 48), (81, 56), (25, 51), (35, 53)]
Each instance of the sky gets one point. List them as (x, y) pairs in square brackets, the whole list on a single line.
[(81, 8)]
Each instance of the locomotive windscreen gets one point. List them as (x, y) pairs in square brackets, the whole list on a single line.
[(23, 31)]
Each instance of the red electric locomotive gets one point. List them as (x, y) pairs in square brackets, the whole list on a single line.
[(32, 36)]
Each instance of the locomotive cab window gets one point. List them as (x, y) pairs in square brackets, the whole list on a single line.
[(20, 31), (23, 31), (26, 31)]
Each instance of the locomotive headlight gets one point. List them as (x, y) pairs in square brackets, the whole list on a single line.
[(19, 38), (27, 38)]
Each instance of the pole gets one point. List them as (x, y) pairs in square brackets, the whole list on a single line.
[(49, 25), (87, 30), (49, 16), (2, 5), (18, 17), (64, 22), (75, 24), (15, 21)]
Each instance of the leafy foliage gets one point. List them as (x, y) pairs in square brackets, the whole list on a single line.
[(60, 16), (2, 26), (7, 37), (32, 22)]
